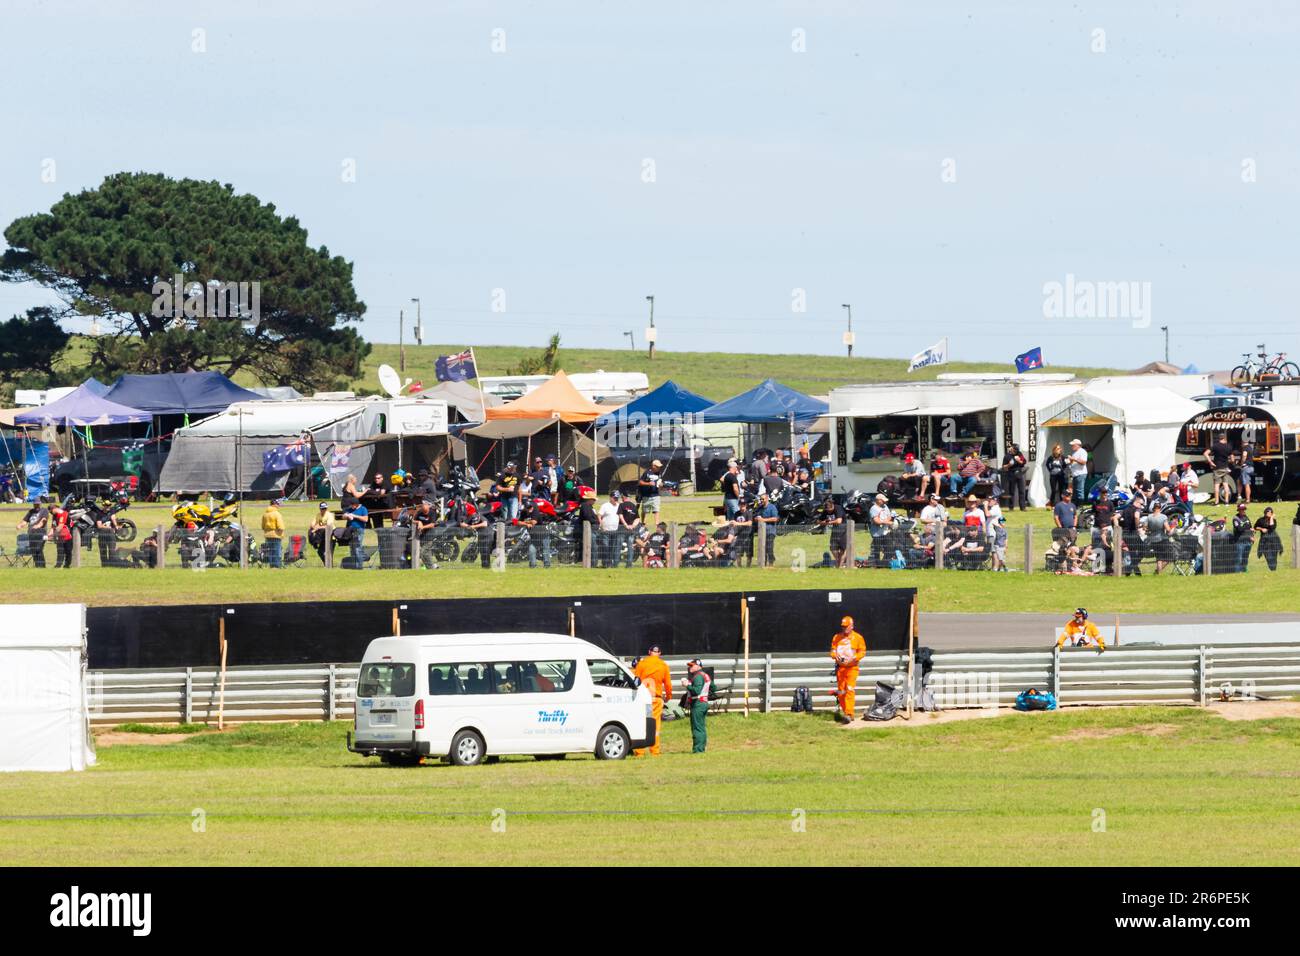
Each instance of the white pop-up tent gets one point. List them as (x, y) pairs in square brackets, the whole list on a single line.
[(44, 712)]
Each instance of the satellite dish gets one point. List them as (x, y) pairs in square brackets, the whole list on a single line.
[(389, 380)]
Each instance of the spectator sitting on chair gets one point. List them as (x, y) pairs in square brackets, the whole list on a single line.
[(940, 474), (693, 546), (974, 549), (913, 478), (972, 470), (655, 547), (147, 554), (320, 529), (933, 518), (722, 550), (273, 532)]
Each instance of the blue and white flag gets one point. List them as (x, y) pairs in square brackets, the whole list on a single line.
[(936, 354), (455, 368), (285, 457), (1030, 360)]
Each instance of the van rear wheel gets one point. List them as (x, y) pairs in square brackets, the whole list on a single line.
[(467, 749), (612, 743)]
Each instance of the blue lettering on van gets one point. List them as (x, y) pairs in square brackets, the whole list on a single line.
[(552, 717)]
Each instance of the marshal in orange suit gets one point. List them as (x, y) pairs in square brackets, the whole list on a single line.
[(847, 650), (654, 674)]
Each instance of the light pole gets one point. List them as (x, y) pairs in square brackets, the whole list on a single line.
[(631, 337), (401, 340), (419, 324), (650, 333), (1165, 329), (848, 336)]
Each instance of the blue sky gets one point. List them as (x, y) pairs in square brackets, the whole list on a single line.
[(774, 170)]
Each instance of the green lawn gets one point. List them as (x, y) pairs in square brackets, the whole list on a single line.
[(946, 591), (715, 375), (1170, 785)]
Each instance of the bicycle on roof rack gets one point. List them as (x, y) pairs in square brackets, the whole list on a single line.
[(1256, 366)]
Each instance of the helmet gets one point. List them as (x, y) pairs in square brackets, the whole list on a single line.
[(846, 621), (1082, 611)]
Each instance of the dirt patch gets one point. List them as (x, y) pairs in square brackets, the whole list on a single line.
[(1142, 730), (110, 738), (929, 720), (1255, 709)]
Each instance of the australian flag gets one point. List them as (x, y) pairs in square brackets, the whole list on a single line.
[(455, 368), (1030, 360), (285, 457)]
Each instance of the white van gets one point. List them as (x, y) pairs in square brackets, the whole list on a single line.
[(469, 696)]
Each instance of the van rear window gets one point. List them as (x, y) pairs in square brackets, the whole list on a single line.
[(501, 677), (386, 680)]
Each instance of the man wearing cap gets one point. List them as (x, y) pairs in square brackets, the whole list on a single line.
[(1078, 468), (933, 519), (656, 678), (273, 531), (647, 491), (1081, 632), (320, 529), (1243, 536), (847, 650), (698, 685), (881, 520), (912, 481)]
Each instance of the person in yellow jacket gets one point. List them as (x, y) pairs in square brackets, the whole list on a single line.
[(656, 678), (1081, 632), (273, 531), (847, 650)]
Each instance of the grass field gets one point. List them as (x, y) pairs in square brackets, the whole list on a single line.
[(946, 591), (1169, 785), (715, 375)]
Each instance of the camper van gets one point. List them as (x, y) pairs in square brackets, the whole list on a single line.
[(467, 697)]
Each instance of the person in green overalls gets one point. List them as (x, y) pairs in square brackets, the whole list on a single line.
[(698, 686)]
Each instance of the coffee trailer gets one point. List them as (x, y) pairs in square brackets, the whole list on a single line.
[(1272, 424)]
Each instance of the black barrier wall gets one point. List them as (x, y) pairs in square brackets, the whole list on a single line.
[(625, 624)]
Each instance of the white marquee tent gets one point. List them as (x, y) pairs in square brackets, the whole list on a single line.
[(44, 711)]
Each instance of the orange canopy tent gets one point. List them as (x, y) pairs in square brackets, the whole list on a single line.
[(554, 399)]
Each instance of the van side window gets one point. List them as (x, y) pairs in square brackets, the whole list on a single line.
[(609, 674), (548, 677), (443, 680), (386, 680), (505, 678)]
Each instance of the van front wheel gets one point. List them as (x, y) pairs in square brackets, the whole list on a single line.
[(467, 749), (612, 743)]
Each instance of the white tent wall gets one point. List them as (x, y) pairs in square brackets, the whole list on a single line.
[(44, 711)]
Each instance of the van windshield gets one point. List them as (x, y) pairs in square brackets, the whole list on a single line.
[(386, 680)]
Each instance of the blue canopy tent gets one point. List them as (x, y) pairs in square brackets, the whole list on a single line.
[(652, 426), (768, 403), (180, 393), (82, 407), (666, 401), (96, 386)]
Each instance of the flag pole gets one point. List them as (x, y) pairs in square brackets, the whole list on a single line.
[(479, 380)]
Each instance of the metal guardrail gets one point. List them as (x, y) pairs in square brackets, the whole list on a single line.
[(959, 679)]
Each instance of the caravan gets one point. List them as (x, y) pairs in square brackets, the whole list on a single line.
[(466, 697)]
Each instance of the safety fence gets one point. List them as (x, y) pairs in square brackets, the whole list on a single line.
[(958, 679), (1189, 549)]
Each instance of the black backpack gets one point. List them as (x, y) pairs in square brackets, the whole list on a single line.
[(887, 486), (802, 703)]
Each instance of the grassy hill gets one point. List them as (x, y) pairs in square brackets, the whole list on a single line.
[(715, 375)]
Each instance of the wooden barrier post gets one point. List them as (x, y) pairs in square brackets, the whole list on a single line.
[(586, 545), (744, 636), (397, 623), (1295, 547), (761, 545), (1117, 552), (161, 562), (221, 699), (76, 548), (243, 548), (940, 539), (674, 558), (415, 548), (850, 546), (1207, 546), (329, 547), (1029, 549)]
